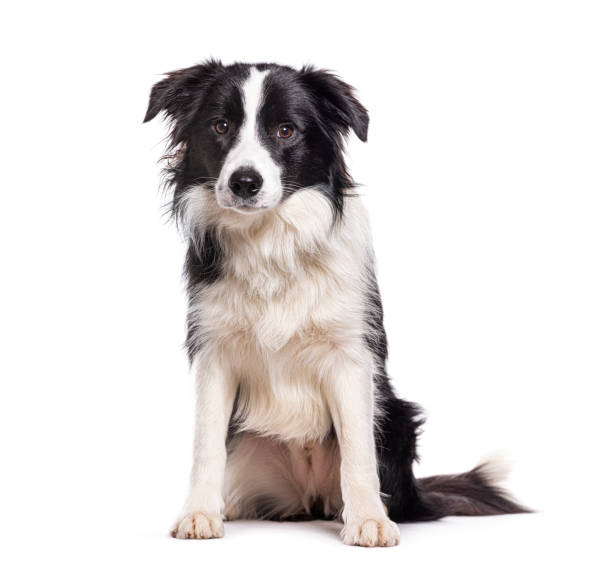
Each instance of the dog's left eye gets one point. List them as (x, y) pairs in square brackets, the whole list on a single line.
[(285, 131)]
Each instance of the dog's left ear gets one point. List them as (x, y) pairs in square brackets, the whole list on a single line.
[(338, 101)]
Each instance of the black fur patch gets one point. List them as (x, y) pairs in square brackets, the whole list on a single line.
[(396, 433), (203, 266)]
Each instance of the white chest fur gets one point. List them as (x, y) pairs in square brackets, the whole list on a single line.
[(293, 292)]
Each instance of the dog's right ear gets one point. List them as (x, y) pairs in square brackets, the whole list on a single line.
[(180, 94)]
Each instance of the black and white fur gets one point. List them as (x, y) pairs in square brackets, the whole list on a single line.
[(296, 417)]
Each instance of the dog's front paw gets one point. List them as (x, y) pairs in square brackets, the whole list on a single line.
[(371, 532), (198, 525)]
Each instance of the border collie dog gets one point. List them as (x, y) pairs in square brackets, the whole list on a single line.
[(296, 418)]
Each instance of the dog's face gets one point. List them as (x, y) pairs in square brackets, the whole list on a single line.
[(255, 134)]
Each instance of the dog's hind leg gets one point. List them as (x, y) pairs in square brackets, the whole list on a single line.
[(266, 478), (396, 440), (474, 493), (257, 483)]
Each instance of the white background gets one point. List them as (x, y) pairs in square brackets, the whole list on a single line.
[(488, 177)]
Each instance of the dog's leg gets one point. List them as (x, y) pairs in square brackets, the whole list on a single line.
[(350, 395), (203, 512)]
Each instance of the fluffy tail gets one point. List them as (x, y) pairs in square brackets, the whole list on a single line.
[(475, 493)]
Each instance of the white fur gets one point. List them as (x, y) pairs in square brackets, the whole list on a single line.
[(286, 323), (290, 476), (250, 152), (204, 505), (496, 466), (296, 293)]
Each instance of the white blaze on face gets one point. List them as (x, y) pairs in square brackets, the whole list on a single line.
[(249, 152)]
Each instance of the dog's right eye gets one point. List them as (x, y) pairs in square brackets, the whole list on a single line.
[(221, 126)]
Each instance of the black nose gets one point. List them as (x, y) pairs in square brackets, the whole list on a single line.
[(245, 182)]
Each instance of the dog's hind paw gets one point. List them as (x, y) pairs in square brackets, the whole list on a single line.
[(371, 532), (198, 525)]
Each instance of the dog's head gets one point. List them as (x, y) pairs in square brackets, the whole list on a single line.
[(255, 134)]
